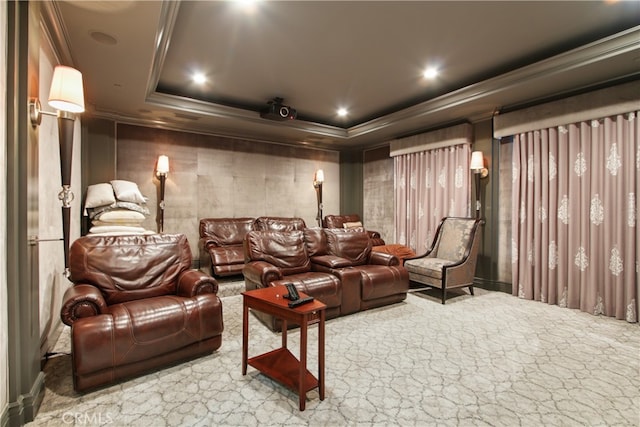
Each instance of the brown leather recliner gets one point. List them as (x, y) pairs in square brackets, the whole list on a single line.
[(369, 279), (220, 245), (135, 306), (278, 257), (338, 221)]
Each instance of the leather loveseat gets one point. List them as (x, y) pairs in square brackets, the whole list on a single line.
[(221, 240), (337, 267), (135, 305)]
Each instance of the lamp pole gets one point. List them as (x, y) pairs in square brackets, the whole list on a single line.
[(318, 179)]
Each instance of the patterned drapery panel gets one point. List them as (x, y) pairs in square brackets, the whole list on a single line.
[(574, 216), (430, 185)]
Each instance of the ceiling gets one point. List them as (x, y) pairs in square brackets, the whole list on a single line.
[(137, 58)]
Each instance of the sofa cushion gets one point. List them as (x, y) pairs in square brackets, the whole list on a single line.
[(133, 331), (458, 232), (354, 246), (430, 267), (267, 223), (285, 250), (126, 268), (226, 231)]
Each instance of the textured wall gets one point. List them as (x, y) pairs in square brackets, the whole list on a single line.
[(378, 202), (4, 332), (222, 177)]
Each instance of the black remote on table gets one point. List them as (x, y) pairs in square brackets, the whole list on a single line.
[(300, 301)]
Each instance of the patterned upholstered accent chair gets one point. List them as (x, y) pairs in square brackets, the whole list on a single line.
[(451, 261)]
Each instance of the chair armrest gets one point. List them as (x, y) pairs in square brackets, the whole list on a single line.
[(261, 272), (373, 234), (81, 300), (330, 261), (383, 258), (194, 282), (204, 243)]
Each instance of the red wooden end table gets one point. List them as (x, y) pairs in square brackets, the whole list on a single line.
[(280, 364)]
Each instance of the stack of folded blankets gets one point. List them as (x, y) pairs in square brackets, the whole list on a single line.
[(116, 208)]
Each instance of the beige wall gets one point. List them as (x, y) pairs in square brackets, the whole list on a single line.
[(4, 333), (379, 196), (222, 177)]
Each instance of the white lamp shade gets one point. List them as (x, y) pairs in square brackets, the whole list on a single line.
[(477, 161), (66, 92), (163, 165), (319, 176)]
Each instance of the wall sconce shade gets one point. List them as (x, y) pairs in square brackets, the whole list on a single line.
[(319, 176), (477, 160), (66, 92), (163, 165), (477, 166)]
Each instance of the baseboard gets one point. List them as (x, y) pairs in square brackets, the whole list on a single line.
[(492, 285), (25, 408)]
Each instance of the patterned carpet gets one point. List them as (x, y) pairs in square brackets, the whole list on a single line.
[(487, 360)]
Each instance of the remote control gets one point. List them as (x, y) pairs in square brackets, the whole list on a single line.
[(293, 292), (300, 301)]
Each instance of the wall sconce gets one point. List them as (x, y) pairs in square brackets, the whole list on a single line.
[(480, 171), (162, 170), (318, 179), (66, 96)]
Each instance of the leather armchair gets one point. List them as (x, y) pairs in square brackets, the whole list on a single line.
[(278, 257), (369, 278), (135, 305), (338, 221), (220, 245)]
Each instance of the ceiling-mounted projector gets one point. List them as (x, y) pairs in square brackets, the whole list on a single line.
[(275, 110)]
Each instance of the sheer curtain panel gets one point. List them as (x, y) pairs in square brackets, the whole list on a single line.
[(430, 185), (574, 215)]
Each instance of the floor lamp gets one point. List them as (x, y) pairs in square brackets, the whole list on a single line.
[(318, 179), (66, 96), (162, 170), (477, 166)]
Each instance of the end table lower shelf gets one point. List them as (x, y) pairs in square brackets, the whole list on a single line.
[(282, 366)]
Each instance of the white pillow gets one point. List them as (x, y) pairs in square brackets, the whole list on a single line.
[(127, 191), (116, 229), (120, 215), (99, 195), (349, 225)]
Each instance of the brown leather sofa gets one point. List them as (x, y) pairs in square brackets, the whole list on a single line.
[(337, 267), (135, 305), (338, 221), (220, 244)]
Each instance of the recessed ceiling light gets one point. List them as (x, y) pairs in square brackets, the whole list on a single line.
[(342, 112), (103, 38), (430, 73), (199, 78)]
